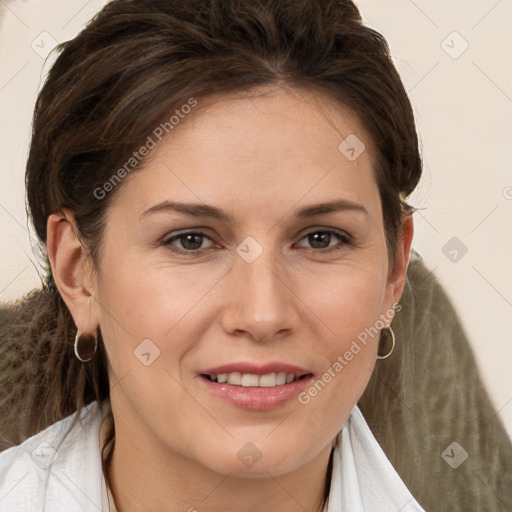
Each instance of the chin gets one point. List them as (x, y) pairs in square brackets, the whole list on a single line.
[(258, 470), (246, 460)]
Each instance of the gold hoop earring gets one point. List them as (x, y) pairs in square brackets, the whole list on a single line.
[(392, 334), (85, 346)]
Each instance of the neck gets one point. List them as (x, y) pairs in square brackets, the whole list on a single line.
[(142, 480)]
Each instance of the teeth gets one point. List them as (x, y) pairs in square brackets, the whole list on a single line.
[(250, 380), (267, 381), (235, 378), (281, 378)]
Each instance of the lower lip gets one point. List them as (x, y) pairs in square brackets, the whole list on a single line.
[(257, 399)]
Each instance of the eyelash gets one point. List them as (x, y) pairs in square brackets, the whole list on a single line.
[(343, 237)]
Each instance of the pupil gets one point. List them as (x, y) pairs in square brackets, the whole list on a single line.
[(185, 240), (314, 238)]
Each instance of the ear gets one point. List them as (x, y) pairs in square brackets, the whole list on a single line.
[(398, 270), (72, 269)]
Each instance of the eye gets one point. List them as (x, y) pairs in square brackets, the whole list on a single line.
[(191, 242), (320, 240)]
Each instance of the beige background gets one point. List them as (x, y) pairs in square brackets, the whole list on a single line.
[(463, 105)]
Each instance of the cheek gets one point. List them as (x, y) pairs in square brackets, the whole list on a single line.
[(349, 306), (151, 300), (172, 307), (349, 299)]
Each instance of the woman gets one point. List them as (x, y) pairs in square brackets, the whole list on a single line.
[(221, 190)]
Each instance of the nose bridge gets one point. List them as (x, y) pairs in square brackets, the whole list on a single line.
[(262, 302)]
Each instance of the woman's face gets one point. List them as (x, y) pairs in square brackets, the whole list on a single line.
[(269, 284)]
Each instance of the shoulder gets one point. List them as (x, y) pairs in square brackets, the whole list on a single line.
[(44, 468)]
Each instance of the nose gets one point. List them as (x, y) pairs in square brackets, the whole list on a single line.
[(261, 303)]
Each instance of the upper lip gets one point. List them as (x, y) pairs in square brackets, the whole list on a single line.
[(256, 369)]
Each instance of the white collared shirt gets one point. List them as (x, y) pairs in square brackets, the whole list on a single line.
[(55, 472)]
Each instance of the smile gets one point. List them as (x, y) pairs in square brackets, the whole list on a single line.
[(268, 380)]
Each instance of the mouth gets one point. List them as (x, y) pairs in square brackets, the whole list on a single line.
[(255, 387), (268, 380)]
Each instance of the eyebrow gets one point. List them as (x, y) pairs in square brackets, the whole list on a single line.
[(204, 210)]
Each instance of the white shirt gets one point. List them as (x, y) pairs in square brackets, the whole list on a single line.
[(55, 472)]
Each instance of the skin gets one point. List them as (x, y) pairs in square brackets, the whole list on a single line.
[(260, 158)]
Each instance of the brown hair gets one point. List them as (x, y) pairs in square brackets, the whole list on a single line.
[(136, 62)]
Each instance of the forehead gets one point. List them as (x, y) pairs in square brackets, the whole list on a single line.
[(271, 146)]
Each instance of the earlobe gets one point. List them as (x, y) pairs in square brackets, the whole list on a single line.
[(69, 267)]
